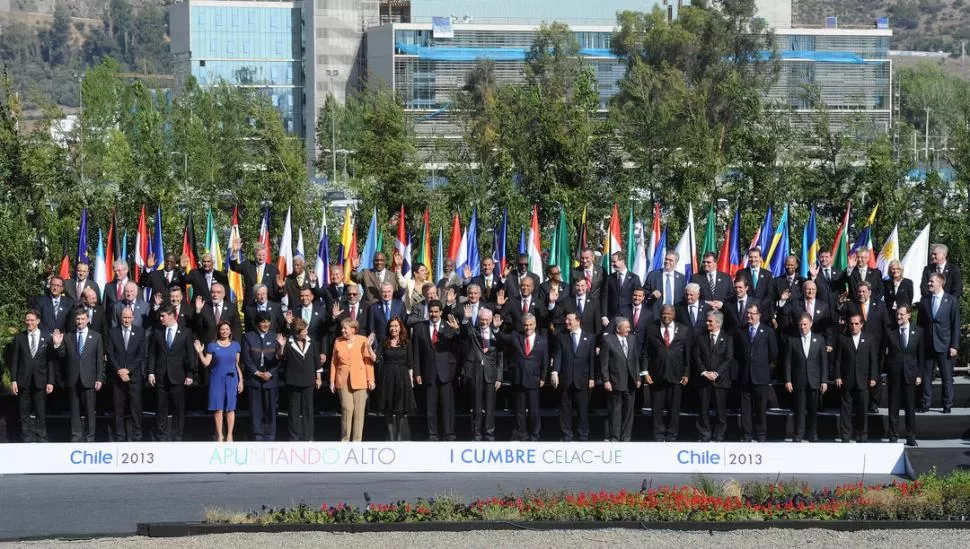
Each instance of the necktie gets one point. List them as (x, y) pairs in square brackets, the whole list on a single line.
[(208, 280), (668, 290), (939, 269), (80, 343), (666, 337), (525, 305), (90, 313), (712, 282), (580, 305), (434, 334), (125, 335), (262, 353), (575, 341), (862, 274), (751, 332), (754, 278), (218, 311), (636, 315), (259, 273), (57, 303), (306, 314), (488, 283), (805, 345), (827, 275), (810, 309), (903, 338), (741, 307), (353, 312), (387, 312), (474, 314), (33, 345), (169, 337), (713, 340), (168, 276), (589, 280), (936, 305), (693, 314), (80, 287), (528, 346), (118, 288), (791, 280), (485, 339), (623, 344)]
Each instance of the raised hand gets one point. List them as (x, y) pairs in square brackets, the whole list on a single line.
[(236, 244), (58, 337), (199, 303), (198, 346), (452, 322), (150, 261), (467, 271), (280, 281), (452, 295), (313, 277), (468, 310), (158, 299), (281, 339), (397, 262), (497, 321), (500, 297), (553, 294), (336, 311), (184, 261)]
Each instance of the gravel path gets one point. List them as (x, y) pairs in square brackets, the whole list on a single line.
[(817, 538)]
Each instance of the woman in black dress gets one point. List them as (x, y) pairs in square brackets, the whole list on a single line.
[(395, 382)]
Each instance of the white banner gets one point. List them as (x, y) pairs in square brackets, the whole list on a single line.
[(452, 457)]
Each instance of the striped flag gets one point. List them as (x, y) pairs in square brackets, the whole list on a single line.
[(613, 242), (810, 244), (654, 239), (82, 238), (141, 246), (235, 279), (534, 249), (455, 242), (840, 247), (889, 252), (402, 245), (100, 270)]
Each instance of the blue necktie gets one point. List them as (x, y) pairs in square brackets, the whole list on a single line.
[(575, 342), (936, 305), (668, 290), (169, 337), (751, 333), (754, 278), (387, 311), (80, 343)]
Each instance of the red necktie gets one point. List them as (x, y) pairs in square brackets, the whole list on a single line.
[(636, 316), (525, 306), (528, 346), (353, 312), (119, 288), (589, 280), (434, 334), (667, 337)]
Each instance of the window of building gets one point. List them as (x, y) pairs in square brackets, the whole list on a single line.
[(235, 18)]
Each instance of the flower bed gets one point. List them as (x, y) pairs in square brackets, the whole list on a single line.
[(931, 497)]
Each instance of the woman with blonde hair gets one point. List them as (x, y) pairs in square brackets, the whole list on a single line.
[(352, 374)]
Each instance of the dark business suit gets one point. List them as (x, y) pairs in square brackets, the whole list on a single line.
[(873, 276), (754, 357), (171, 366), (952, 282), (589, 317), (317, 327), (736, 313), (277, 321), (378, 320), (594, 283), (546, 287), (782, 283), (437, 364), (126, 396), (656, 281), (639, 324), (159, 281), (33, 373), (512, 291), (617, 294), (54, 318), (574, 362), (112, 294), (894, 297), (941, 332), (723, 286), (489, 291), (904, 363), (259, 355), (696, 325), (300, 366), (248, 269), (81, 371), (482, 367), (875, 322), (856, 368), (97, 320), (512, 313), (142, 313), (667, 363), (71, 288), (198, 283), (184, 317), (622, 371), (527, 371), (291, 289), (823, 319), (763, 288), (806, 373), (717, 357), (206, 323), (830, 287)]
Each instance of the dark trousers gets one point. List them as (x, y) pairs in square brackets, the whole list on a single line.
[(754, 412), (855, 402), (620, 404), (263, 404), (301, 412), (902, 394), (709, 392), (569, 396), (944, 364), (665, 396), (81, 402), (168, 393), (398, 427), (805, 400), (126, 400), (483, 398), (440, 396), (33, 413), (527, 399)]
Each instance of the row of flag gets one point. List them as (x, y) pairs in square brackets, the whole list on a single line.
[(645, 250)]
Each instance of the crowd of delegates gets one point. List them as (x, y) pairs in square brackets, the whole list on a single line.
[(386, 337)]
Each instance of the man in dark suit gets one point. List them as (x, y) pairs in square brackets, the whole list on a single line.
[(353, 309), (716, 287), (939, 318), (98, 320), (261, 369), (736, 308), (574, 358), (435, 353), (862, 273), (829, 279), (489, 281), (482, 370), (592, 273), (904, 370), (114, 291), (586, 307), (172, 366), (208, 315), (75, 287), (713, 355), (515, 310), (952, 282), (528, 357), (419, 311), (667, 371), (335, 291), (759, 279), (55, 307), (756, 349), (692, 312), (289, 287), (513, 283), (127, 357), (806, 368), (856, 372), (665, 286), (262, 304), (159, 281), (202, 280), (131, 300), (184, 314), (314, 314), (253, 272), (823, 319), (618, 290), (32, 377), (898, 290), (788, 286), (621, 368), (382, 311), (640, 316), (83, 357), (875, 322)]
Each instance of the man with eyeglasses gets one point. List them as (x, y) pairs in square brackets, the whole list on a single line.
[(55, 307), (856, 371), (513, 283), (715, 287), (591, 272)]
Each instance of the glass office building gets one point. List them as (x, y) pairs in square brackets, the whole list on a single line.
[(255, 44)]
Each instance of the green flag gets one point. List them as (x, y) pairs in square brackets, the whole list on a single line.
[(631, 241), (208, 232), (380, 241), (710, 239), (560, 255)]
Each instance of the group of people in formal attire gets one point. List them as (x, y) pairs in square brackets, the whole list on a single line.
[(383, 338)]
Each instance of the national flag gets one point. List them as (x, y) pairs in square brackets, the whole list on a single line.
[(780, 246), (631, 238), (235, 279), (65, 269), (212, 243), (100, 270), (501, 244), (82, 238), (687, 247), (612, 243), (916, 258), (639, 266), (766, 232), (189, 249), (380, 239), (370, 243), (141, 246), (112, 247), (581, 241), (124, 246), (299, 252), (455, 242), (710, 238), (864, 242), (462, 259), (424, 250), (810, 245), (157, 248), (654, 239), (264, 235), (402, 244), (659, 251), (523, 247), (840, 247), (730, 261), (559, 254), (285, 261), (535, 244), (439, 263), (348, 241), (474, 254), (889, 252)]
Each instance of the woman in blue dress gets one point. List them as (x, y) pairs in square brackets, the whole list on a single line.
[(221, 357)]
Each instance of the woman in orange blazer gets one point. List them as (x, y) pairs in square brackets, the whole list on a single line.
[(352, 373)]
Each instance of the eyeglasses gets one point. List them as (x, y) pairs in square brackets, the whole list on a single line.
[(352, 294)]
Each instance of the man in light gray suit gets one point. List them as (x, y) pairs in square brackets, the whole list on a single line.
[(939, 317), (131, 300)]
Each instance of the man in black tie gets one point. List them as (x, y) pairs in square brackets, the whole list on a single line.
[(253, 272), (419, 311), (574, 357), (75, 287), (83, 357), (172, 366), (806, 377), (667, 370), (875, 323), (856, 372), (756, 350), (298, 280), (735, 309), (589, 271), (862, 273), (98, 320), (205, 277), (904, 368), (693, 312), (513, 283), (640, 316), (788, 286), (712, 359), (952, 282), (32, 377), (528, 356), (939, 317), (482, 370), (620, 369), (127, 356), (527, 303), (716, 287), (434, 350), (488, 281)]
